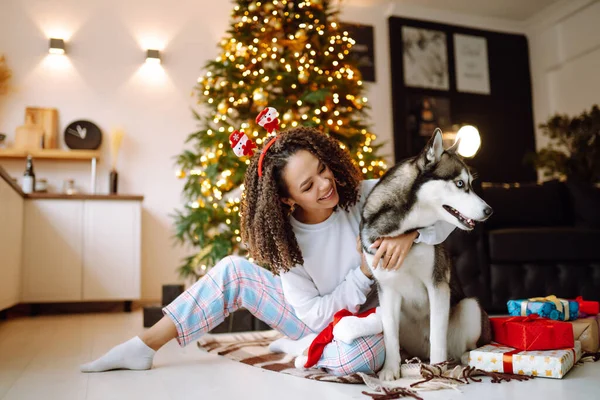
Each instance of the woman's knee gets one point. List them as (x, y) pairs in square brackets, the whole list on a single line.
[(230, 265), (362, 355)]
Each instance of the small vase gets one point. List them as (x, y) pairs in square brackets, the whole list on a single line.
[(113, 182)]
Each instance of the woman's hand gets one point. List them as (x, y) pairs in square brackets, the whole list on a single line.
[(364, 267), (392, 251)]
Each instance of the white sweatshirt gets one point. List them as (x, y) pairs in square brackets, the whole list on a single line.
[(330, 279)]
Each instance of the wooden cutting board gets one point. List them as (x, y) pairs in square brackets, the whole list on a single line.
[(47, 119), (29, 136)]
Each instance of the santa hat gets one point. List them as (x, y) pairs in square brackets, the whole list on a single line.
[(262, 114), (235, 137)]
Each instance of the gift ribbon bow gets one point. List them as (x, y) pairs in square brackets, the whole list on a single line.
[(561, 305)]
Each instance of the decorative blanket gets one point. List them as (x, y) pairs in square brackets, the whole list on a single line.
[(252, 348)]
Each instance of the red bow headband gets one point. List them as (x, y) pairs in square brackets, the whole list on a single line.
[(242, 145)]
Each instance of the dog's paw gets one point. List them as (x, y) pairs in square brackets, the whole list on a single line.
[(389, 373), (437, 360)]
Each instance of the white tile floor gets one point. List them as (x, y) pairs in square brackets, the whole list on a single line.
[(39, 359)]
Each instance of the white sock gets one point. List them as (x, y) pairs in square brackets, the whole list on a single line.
[(351, 327), (293, 347), (133, 354)]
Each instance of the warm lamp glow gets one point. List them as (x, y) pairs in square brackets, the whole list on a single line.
[(470, 141)]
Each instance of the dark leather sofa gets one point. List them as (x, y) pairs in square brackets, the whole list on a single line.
[(542, 239)]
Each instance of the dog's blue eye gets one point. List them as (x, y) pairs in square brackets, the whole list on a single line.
[(460, 184)]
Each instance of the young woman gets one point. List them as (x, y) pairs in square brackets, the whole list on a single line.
[(300, 217)]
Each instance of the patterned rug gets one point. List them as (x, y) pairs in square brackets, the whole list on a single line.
[(252, 348)]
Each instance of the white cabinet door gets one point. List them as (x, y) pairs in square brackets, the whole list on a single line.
[(52, 250), (11, 238), (111, 256)]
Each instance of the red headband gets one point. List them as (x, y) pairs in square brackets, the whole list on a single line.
[(268, 120), (243, 146), (262, 155)]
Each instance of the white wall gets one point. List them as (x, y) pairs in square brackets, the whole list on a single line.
[(564, 45), (103, 79)]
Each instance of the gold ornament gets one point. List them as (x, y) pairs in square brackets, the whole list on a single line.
[(300, 35), (302, 77), (329, 103), (252, 7), (269, 7), (358, 102), (222, 108), (260, 97)]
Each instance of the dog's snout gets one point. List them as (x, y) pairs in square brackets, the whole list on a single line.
[(488, 211)]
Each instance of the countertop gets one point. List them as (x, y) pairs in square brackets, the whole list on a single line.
[(61, 196)]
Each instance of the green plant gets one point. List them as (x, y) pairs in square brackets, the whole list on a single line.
[(573, 151)]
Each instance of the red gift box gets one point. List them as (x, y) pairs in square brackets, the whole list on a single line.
[(532, 333), (588, 307)]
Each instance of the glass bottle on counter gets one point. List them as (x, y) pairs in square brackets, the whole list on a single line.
[(29, 177)]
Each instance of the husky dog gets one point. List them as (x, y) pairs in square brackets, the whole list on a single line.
[(423, 308)]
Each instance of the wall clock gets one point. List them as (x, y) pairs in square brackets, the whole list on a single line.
[(83, 135)]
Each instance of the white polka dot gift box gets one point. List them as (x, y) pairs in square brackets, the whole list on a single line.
[(547, 363)]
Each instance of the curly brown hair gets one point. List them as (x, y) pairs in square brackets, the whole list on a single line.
[(265, 219)]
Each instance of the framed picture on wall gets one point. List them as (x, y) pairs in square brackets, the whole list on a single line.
[(425, 58), (471, 60), (424, 114), (363, 50)]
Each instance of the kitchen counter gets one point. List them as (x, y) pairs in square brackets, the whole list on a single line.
[(61, 196), (4, 175), (57, 248)]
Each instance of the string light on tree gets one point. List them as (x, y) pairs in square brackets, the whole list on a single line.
[(291, 55)]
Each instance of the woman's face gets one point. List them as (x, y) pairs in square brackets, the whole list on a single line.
[(310, 183)]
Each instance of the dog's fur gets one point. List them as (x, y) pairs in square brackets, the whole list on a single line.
[(423, 308)]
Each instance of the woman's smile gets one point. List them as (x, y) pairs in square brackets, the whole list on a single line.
[(329, 194)]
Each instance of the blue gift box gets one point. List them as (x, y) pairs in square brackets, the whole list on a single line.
[(550, 307)]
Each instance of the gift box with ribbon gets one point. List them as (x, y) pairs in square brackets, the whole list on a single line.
[(588, 307), (596, 318), (547, 307), (532, 333), (548, 363), (585, 330)]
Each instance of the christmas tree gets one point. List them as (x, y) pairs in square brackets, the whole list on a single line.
[(290, 55)]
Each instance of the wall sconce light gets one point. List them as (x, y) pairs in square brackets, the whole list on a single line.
[(57, 46), (153, 57), (470, 141)]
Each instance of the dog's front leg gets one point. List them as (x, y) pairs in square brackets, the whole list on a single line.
[(390, 303), (439, 302)]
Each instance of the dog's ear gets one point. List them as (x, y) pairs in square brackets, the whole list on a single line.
[(454, 148), (434, 149)]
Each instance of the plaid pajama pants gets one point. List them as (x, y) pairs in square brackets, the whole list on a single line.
[(234, 283)]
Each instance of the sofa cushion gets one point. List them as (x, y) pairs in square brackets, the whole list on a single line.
[(586, 204), (510, 281), (528, 205), (544, 244)]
